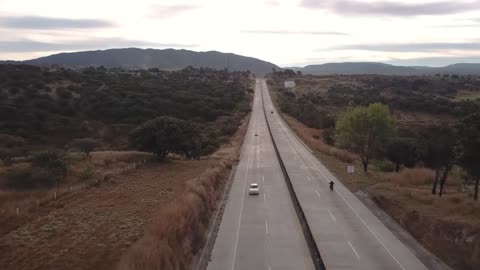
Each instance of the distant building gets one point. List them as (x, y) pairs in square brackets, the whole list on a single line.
[(289, 84)]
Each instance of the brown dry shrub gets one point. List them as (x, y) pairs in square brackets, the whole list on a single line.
[(177, 231), (415, 177), (309, 134), (338, 153)]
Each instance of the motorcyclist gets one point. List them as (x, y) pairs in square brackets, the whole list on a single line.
[(331, 185)]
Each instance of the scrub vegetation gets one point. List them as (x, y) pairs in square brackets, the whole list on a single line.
[(71, 145), (421, 143)]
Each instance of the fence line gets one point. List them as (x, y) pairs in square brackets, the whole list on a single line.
[(53, 195)]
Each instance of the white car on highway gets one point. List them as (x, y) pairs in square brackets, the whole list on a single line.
[(253, 189)]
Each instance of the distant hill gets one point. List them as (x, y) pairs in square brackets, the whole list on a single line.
[(349, 68), (169, 59)]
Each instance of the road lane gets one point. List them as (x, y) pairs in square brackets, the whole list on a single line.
[(259, 232), (347, 234)]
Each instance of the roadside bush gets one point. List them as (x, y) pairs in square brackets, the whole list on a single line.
[(87, 173), (415, 176), (48, 169), (329, 136), (86, 145), (20, 179), (384, 165)]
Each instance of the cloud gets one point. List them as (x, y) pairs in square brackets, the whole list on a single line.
[(411, 47), (171, 10), (272, 3), (433, 61), (390, 8), (27, 45), (465, 25), (34, 22), (286, 32)]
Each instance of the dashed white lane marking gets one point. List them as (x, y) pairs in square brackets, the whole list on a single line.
[(309, 180), (264, 197), (269, 267), (263, 179), (318, 194), (354, 251), (312, 160), (266, 226), (368, 227), (333, 217), (241, 212)]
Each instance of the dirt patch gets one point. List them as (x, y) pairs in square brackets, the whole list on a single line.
[(90, 229), (103, 165), (176, 234)]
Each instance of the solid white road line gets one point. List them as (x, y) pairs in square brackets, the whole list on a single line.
[(333, 217), (368, 227), (240, 216), (315, 163), (354, 251)]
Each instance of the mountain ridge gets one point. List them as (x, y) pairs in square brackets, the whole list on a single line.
[(365, 68), (169, 59)]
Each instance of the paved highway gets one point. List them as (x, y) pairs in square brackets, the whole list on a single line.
[(259, 232), (347, 234), (263, 232)]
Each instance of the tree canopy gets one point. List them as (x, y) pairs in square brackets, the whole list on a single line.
[(469, 134), (164, 135), (365, 130), (438, 152), (402, 151)]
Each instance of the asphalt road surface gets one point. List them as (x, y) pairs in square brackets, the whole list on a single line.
[(259, 231), (263, 232)]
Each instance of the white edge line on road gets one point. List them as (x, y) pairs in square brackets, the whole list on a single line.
[(318, 194), (326, 179), (333, 217), (354, 251), (368, 227), (240, 216)]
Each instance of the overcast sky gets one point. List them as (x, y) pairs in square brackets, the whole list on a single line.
[(285, 32)]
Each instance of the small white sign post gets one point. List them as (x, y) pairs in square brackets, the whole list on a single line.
[(350, 169)]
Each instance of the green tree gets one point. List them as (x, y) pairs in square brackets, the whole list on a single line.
[(402, 151), (469, 137), (164, 135), (48, 170), (438, 152), (365, 130)]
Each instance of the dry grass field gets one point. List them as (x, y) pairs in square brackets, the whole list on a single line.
[(448, 226), (153, 217)]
